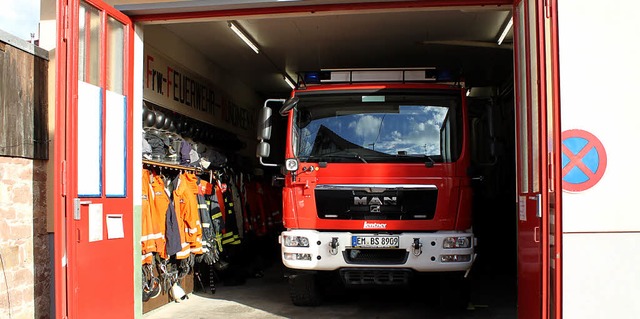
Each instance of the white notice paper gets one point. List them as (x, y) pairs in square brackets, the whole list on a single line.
[(95, 222), (522, 208), (114, 226)]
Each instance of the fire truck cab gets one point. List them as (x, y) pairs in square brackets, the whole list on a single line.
[(376, 177)]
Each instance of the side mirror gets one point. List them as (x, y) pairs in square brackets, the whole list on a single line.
[(264, 131), (263, 149), (264, 123)]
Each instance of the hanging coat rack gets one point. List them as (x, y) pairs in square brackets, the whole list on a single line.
[(161, 165)]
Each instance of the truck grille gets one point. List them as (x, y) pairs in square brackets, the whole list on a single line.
[(370, 203), (375, 256), (360, 277)]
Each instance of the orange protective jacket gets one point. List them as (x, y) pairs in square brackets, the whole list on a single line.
[(159, 214), (188, 218), (147, 239)]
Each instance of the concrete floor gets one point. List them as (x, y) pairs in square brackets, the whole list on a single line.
[(268, 297)]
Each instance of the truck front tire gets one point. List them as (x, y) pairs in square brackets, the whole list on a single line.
[(455, 292), (304, 290)]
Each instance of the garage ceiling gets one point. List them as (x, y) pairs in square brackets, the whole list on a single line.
[(456, 38)]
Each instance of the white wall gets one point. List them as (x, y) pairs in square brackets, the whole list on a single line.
[(171, 47), (599, 81), (600, 276)]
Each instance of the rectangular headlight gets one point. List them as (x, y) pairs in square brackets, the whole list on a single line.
[(297, 256), (455, 258), (457, 242)]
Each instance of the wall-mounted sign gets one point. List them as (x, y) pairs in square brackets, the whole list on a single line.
[(584, 160), (179, 89)]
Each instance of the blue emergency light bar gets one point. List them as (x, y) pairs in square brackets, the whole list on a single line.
[(426, 74)]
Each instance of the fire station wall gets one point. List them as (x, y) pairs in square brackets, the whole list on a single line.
[(599, 70), (229, 105), (599, 87), (25, 267), (24, 246), (138, 65)]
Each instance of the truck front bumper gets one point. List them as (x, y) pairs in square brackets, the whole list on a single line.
[(419, 251)]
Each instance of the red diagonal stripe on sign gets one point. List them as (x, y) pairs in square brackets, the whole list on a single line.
[(576, 160)]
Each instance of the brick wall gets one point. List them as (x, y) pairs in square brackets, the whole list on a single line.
[(25, 271)]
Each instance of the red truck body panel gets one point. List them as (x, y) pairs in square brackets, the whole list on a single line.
[(453, 208)]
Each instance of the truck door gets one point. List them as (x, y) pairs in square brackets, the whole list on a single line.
[(535, 127), (93, 155)]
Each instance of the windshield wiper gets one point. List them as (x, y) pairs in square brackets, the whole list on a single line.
[(429, 163), (348, 155)]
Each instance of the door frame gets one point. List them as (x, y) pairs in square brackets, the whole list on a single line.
[(555, 263), (65, 150), (550, 157), (531, 189), (548, 89)]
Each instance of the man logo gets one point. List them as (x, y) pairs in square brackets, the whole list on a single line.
[(386, 201), (375, 204)]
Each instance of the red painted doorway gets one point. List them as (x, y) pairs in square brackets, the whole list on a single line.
[(537, 137), (93, 148)]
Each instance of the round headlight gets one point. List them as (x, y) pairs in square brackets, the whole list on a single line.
[(291, 164), (463, 242)]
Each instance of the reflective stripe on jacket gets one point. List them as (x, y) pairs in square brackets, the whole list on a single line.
[(147, 237)]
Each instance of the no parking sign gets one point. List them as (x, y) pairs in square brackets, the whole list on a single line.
[(584, 160)]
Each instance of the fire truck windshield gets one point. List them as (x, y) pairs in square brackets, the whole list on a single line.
[(385, 126)]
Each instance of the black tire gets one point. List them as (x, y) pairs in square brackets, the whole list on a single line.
[(455, 292), (303, 289)]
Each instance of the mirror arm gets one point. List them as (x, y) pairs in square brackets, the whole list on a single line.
[(260, 153), (267, 164)]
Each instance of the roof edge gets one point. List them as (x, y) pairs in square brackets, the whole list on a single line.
[(23, 45)]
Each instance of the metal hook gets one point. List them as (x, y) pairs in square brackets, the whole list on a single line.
[(333, 246), (416, 247)]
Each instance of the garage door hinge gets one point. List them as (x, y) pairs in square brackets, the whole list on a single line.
[(66, 22), (63, 178), (547, 9)]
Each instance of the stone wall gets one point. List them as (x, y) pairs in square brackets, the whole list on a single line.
[(25, 268)]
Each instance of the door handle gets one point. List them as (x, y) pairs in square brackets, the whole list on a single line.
[(536, 234), (539, 205), (76, 207)]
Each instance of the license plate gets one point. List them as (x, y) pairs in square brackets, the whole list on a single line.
[(375, 241)]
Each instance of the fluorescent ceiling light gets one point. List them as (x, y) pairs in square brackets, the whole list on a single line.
[(505, 31), (289, 82), (244, 38)]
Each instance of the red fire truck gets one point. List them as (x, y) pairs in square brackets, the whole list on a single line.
[(376, 178)]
